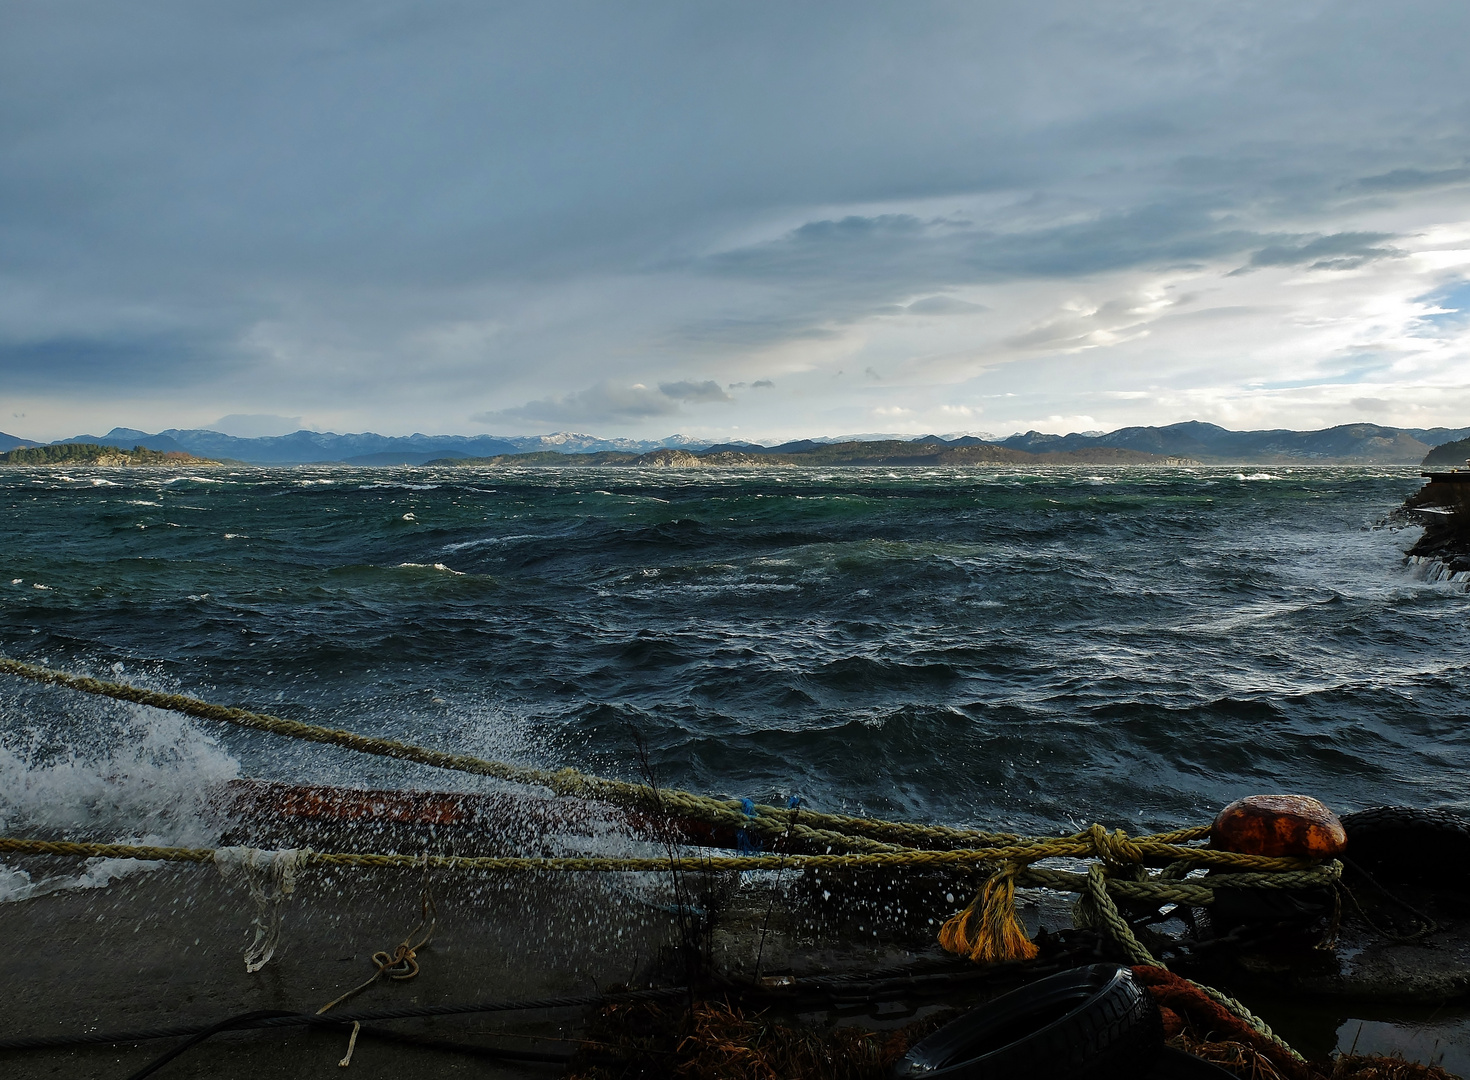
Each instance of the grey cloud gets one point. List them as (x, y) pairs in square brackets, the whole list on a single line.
[(694, 391), (1114, 319), (762, 384), (882, 252), (357, 177), (1413, 179), (1371, 404), (785, 319), (943, 305), (101, 363), (610, 401), (833, 272), (1340, 251)]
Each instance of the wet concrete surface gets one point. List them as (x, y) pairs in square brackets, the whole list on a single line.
[(164, 948)]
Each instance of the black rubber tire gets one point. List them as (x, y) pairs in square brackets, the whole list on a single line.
[(1402, 845), (1093, 1022)]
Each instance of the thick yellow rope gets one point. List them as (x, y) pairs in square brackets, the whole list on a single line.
[(1167, 891), (836, 831)]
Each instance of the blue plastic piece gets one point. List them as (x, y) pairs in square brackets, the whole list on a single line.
[(746, 840)]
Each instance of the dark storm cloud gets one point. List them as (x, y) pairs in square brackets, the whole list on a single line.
[(322, 188)]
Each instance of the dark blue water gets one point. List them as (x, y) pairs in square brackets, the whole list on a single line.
[(1028, 649)]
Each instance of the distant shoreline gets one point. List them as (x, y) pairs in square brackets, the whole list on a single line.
[(1190, 441), (887, 453), (847, 454)]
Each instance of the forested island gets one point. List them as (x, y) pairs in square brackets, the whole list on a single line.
[(97, 454)]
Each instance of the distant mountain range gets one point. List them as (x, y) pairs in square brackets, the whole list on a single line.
[(317, 447), (1348, 444)]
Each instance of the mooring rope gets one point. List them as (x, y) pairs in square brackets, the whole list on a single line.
[(986, 930), (838, 831), (1292, 872)]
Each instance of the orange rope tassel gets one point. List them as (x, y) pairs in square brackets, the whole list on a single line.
[(988, 930)]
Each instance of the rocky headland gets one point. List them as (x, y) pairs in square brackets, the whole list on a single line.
[(1442, 506), (96, 454), (1450, 455)]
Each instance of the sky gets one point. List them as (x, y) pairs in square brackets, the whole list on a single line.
[(758, 220)]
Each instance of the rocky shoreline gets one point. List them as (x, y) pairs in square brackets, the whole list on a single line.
[(1442, 506)]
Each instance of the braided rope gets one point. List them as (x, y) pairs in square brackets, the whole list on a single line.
[(1194, 893), (838, 831), (901, 857), (1098, 910), (1254, 1022)]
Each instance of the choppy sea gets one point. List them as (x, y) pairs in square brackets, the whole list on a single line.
[(1032, 650)]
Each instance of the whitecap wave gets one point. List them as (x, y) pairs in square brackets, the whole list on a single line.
[(491, 541), (111, 774), (1434, 572)]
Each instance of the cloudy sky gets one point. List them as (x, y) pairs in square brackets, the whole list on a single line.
[(752, 220)]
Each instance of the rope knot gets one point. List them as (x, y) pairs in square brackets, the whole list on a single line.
[(403, 964), (1114, 848)]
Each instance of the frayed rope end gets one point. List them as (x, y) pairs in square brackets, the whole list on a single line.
[(988, 930)]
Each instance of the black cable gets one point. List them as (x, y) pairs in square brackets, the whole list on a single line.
[(244, 1020), (855, 986), (504, 1053), (273, 1019)]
